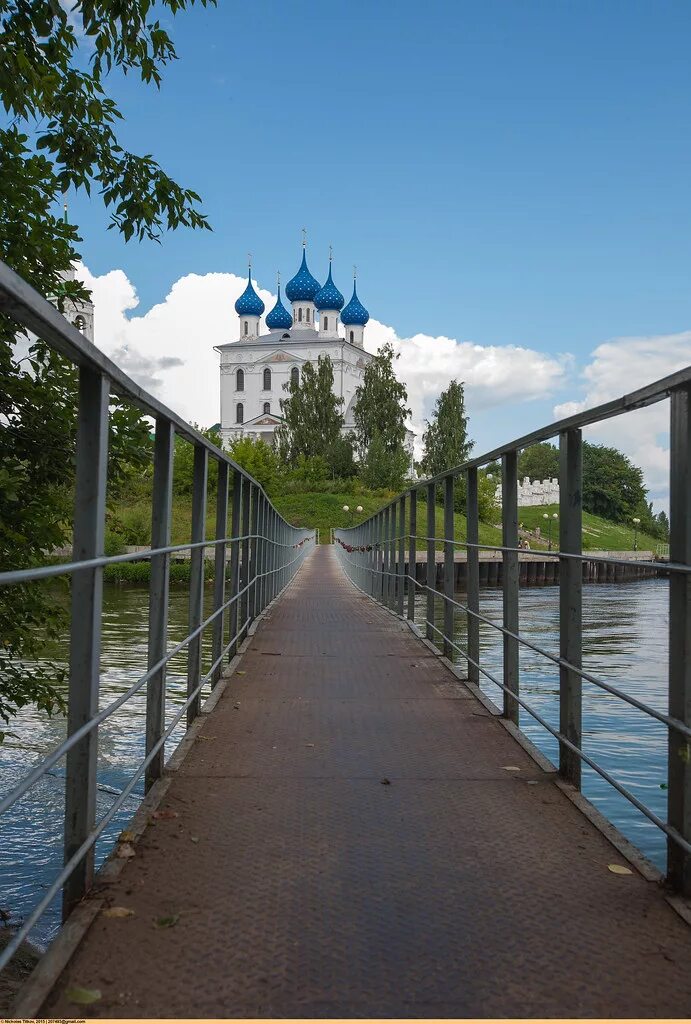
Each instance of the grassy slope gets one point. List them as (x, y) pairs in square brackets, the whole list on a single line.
[(598, 534), (312, 509)]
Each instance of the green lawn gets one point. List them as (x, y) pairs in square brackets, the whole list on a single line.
[(131, 519), (598, 534)]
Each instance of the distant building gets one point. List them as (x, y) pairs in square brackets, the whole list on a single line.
[(535, 492), (79, 314), (255, 367)]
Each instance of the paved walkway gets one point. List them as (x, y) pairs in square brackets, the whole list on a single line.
[(349, 843)]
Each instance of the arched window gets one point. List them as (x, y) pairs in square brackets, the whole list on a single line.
[(240, 380), (308, 315), (267, 379), (352, 337), (300, 315), (246, 331), (239, 413), (267, 407), (79, 323), (326, 323), (295, 376)]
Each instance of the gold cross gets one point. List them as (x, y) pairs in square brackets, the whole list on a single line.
[(304, 238), (331, 253)]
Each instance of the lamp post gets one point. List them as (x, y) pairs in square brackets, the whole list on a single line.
[(636, 524), (347, 508), (545, 515)]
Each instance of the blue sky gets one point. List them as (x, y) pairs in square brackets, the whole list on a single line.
[(508, 172)]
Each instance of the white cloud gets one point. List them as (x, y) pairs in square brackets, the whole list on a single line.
[(169, 350), (620, 366)]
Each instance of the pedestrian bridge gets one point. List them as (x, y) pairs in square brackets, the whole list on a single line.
[(350, 828)]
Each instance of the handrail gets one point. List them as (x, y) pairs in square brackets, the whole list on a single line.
[(265, 553), (374, 554)]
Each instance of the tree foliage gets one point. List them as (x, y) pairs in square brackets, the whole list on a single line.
[(445, 441), (539, 462), (259, 459), (312, 419), (60, 134), (379, 413)]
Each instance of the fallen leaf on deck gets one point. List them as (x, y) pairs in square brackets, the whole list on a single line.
[(241, 672), (125, 851), (83, 996), (194, 839), (118, 912), (510, 768), (619, 869), (385, 782), (165, 815), (532, 782), (127, 837), (167, 922)]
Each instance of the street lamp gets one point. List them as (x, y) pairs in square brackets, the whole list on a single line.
[(545, 515), (347, 508), (636, 524)]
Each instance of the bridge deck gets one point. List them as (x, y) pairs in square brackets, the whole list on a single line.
[(308, 886)]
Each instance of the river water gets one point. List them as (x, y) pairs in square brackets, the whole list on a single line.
[(625, 641)]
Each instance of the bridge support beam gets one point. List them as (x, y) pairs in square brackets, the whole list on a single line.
[(200, 472), (448, 567), (162, 500), (218, 631), (679, 762), (85, 637), (509, 485), (570, 601), (473, 570)]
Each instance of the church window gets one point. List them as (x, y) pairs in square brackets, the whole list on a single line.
[(308, 316), (267, 407), (267, 379), (80, 323), (240, 413), (300, 315), (240, 380), (246, 331), (352, 337), (295, 376), (326, 323)]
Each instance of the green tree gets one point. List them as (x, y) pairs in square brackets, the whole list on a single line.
[(311, 414), (384, 466), (539, 462), (445, 441), (612, 486), (59, 135), (379, 413), (259, 459)]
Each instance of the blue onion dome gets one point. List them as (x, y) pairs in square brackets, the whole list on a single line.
[(249, 303), (303, 287), (279, 317), (354, 313), (329, 297)]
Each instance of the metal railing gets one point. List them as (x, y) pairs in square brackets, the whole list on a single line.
[(374, 556), (257, 553)]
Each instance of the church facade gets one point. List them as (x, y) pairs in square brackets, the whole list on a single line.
[(270, 351)]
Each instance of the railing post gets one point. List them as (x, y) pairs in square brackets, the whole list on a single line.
[(386, 551), (194, 650), (509, 483), (473, 538), (448, 566), (233, 610), (401, 555), (85, 635), (393, 577), (570, 600), (254, 552), (412, 555), (162, 500), (679, 760), (218, 624), (244, 558), (378, 589), (431, 561), (263, 519)]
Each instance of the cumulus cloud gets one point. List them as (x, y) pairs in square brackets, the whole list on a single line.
[(620, 366), (169, 349)]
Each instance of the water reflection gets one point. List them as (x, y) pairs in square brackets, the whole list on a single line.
[(31, 834), (625, 630)]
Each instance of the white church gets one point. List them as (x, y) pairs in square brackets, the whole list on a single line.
[(265, 357)]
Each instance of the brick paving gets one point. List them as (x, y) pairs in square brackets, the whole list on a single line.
[(349, 844)]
